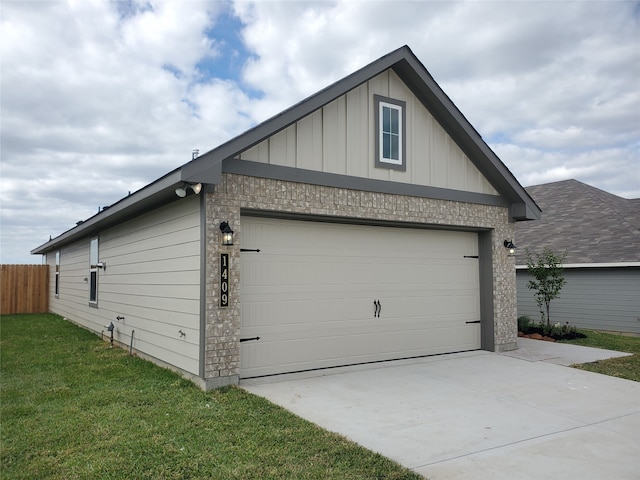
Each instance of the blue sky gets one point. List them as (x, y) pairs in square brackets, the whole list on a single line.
[(226, 31), (100, 98)]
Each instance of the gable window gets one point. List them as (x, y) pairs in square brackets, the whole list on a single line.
[(390, 133), (93, 272), (57, 281)]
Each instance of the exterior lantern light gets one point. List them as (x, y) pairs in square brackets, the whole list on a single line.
[(227, 234), (508, 244)]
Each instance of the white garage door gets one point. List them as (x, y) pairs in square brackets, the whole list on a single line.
[(322, 295)]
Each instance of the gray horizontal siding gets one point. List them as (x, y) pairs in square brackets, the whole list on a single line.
[(152, 279), (593, 298)]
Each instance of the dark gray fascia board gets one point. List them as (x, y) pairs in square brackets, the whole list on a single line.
[(313, 177), (158, 193), (210, 173), (523, 211), (407, 66), (416, 76)]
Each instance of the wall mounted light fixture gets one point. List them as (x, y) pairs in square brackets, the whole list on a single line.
[(508, 244), (182, 191), (227, 234)]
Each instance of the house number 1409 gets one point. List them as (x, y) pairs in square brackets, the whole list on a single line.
[(224, 279)]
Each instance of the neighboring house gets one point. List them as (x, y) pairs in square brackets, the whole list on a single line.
[(600, 233), (379, 214)]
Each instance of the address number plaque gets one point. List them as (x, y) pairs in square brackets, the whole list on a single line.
[(224, 279)]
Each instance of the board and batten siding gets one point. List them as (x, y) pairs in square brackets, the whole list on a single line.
[(152, 279), (340, 138), (592, 298)]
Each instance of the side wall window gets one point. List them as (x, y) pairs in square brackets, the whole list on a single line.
[(390, 121), (93, 272), (57, 284)]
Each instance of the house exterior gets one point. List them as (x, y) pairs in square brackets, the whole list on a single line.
[(600, 234), (379, 214)]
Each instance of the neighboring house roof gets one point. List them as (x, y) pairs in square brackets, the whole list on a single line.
[(208, 168), (591, 225)]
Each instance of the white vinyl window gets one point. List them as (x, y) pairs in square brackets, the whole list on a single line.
[(390, 133), (93, 272), (390, 138)]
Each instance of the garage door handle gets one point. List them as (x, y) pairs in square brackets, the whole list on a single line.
[(377, 308)]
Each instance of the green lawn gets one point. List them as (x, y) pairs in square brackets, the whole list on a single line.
[(73, 408), (624, 367)]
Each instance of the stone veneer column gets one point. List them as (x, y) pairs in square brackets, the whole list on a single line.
[(222, 332), (504, 291)]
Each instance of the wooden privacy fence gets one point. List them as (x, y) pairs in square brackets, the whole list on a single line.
[(24, 289)]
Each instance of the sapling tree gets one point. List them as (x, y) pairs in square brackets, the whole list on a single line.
[(546, 269)]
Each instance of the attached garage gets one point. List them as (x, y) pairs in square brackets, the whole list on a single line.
[(322, 294), (381, 218)]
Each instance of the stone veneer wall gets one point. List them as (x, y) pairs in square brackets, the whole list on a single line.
[(236, 192)]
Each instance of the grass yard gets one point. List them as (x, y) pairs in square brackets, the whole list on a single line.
[(625, 367), (73, 408)]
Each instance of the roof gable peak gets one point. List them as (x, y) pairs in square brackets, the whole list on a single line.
[(207, 167)]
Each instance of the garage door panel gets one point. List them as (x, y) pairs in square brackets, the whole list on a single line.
[(300, 316), (447, 339), (458, 307), (295, 354), (430, 302), (309, 294)]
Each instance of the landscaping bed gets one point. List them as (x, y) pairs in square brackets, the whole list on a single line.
[(548, 332), (623, 367)]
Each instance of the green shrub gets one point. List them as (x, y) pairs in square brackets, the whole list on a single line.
[(524, 322), (556, 331)]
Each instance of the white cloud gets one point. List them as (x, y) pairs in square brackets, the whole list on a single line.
[(97, 102), (610, 169), (100, 98)]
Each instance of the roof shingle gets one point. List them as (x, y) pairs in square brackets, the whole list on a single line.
[(591, 225)]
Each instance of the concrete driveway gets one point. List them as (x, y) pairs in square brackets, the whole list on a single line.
[(521, 415)]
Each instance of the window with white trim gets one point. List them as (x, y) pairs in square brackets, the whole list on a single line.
[(390, 133), (57, 280), (93, 272)]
